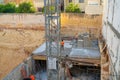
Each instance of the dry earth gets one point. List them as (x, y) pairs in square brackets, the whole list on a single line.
[(16, 45)]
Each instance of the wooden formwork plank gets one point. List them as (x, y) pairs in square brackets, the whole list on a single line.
[(89, 62), (39, 57)]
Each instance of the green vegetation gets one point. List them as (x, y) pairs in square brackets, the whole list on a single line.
[(73, 8), (1, 8), (25, 7), (51, 8), (8, 8)]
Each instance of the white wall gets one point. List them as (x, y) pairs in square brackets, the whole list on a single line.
[(116, 17), (111, 33)]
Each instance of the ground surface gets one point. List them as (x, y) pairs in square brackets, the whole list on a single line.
[(16, 45)]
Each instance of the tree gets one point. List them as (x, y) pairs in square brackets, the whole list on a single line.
[(8, 8), (73, 8), (25, 7)]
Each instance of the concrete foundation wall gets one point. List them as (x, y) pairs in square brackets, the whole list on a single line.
[(111, 33), (16, 73)]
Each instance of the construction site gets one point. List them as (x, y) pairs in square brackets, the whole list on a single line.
[(81, 56), (54, 46)]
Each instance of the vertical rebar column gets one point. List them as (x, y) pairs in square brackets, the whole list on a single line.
[(52, 27)]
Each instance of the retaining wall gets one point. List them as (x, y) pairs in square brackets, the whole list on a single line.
[(16, 73)]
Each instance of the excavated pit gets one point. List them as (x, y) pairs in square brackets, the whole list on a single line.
[(84, 56)]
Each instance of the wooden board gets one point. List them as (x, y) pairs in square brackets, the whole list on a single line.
[(39, 57)]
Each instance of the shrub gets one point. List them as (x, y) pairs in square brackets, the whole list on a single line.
[(9, 8), (43, 9), (25, 7), (1, 8), (73, 8), (51, 8)]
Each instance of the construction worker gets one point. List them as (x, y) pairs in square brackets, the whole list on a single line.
[(76, 37), (62, 45), (76, 40), (32, 77)]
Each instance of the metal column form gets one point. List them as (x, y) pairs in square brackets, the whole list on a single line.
[(52, 27)]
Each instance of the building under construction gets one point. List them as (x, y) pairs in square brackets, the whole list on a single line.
[(82, 58), (86, 58), (78, 59)]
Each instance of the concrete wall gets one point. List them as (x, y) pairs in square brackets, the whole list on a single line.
[(16, 73), (81, 22), (111, 33), (94, 9), (21, 20)]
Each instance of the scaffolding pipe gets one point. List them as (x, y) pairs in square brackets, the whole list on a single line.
[(52, 27)]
